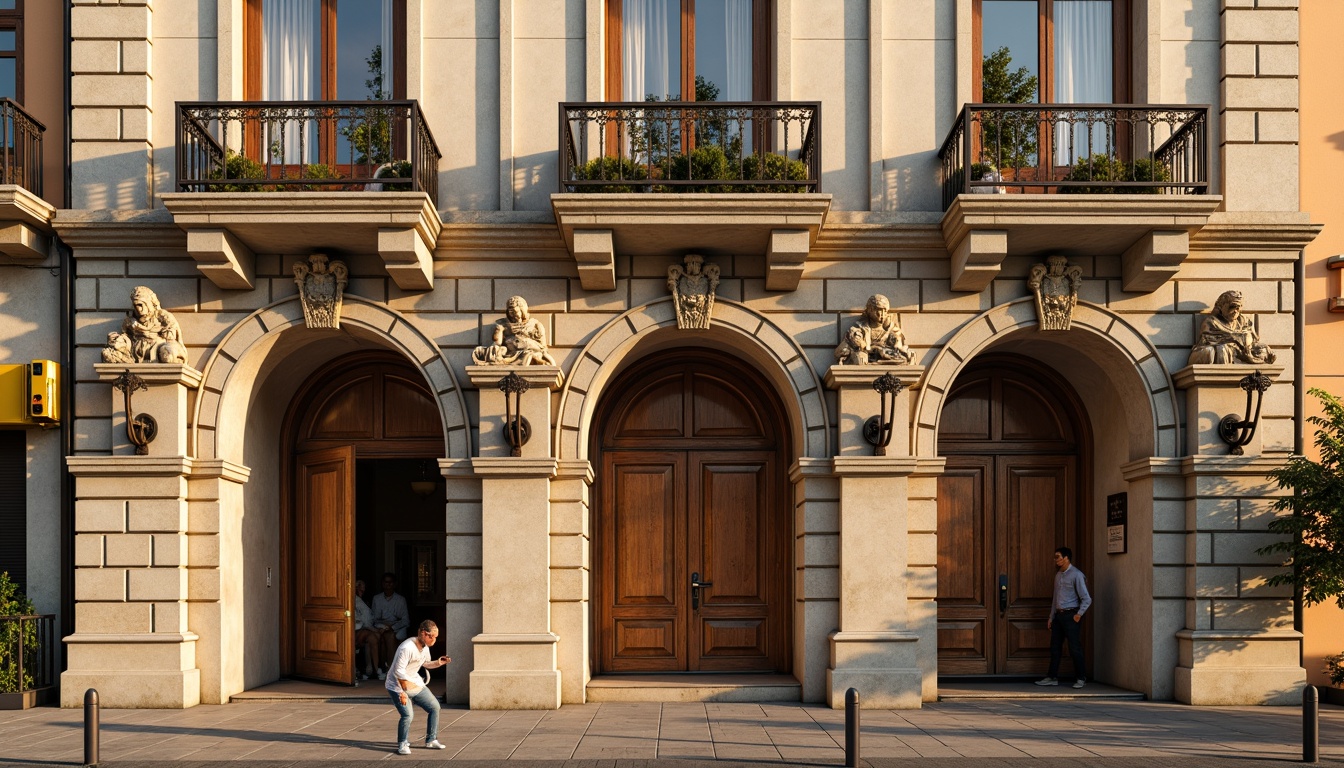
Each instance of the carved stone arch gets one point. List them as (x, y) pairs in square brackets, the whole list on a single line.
[(1143, 370), (736, 327), (232, 370)]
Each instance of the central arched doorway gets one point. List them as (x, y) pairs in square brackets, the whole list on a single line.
[(360, 497), (690, 453), (1017, 450)]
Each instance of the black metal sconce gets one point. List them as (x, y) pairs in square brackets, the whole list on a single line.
[(1237, 432), (141, 429), (516, 429), (877, 430)]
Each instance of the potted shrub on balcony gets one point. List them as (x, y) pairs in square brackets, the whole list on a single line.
[(21, 673), (1102, 167)]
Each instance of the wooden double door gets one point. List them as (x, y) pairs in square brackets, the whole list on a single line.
[(693, 526), (1011, 493)]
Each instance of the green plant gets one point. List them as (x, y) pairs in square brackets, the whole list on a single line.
[(16, 638), (313, 172), (1008, 139), (1101, 167), (237, 166), (612, 169), (707, 163), (400, 169), (1334, 667), (371, 135), (775, 167)]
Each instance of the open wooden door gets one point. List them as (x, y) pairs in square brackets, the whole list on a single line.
[(324, 517)]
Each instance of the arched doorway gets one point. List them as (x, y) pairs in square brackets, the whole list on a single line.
[(690, 450), (1017, 450), (359, 431)]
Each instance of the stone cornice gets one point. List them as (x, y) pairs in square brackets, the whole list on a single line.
[(226, 470), (151, 373), (18, 204), (576, 469), (489, 376), (874, 466), (1151, 466), (1255, 232), (1206, 375), (136, 466), (877, 239), (142, 230), (491, 237), (513, 466), (147, 637), (862, 376), (807, 466)]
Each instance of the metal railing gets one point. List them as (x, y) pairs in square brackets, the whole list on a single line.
[(27, 652), (20, 147), (266, 146), (1077, 148), (689, 146)]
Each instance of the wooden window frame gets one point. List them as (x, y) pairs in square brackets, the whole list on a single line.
[(13, 19), (761, 53), (1045, 65)]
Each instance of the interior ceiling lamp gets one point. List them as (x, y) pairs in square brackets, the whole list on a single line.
[(425, 485), (877, 430), (1238, 432)]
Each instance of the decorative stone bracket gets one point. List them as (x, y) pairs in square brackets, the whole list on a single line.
[(25, 225), (226, 230), (784, 227), (1150, 232)]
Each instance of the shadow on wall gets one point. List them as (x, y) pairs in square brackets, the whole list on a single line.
[(105, 181), (535, 177), (473, 187)]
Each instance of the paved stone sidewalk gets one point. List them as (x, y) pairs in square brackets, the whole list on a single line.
[(993, 733)]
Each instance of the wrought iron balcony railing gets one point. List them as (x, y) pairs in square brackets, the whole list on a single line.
[(688, 146), (21, 145), (27, 653), (267, 146), (1077, 148)]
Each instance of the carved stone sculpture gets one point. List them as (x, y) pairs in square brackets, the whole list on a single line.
[(1228, 338), (149, 334), (519, 339), (876, 338), (693, 291), (321, 286), (1055, 284)]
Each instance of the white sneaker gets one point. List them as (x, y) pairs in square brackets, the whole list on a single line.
[(404, 748), (1079, 683), (434, 745), (1047, 681)]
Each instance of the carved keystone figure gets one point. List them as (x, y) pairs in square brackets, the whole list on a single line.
[(1055, 284), (876, 338), (1228, 338), (519, 339), (321, 287), (693, 291), (149, 334)]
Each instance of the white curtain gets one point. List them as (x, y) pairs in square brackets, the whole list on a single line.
[(737, 26), (1083, 73), (290, 63), (389, 51), (645, 42)]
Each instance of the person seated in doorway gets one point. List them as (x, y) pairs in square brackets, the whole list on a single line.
[(391, 618), (365, 636)]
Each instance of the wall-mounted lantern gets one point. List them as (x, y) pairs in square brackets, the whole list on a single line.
[(877, 430), (141, 429), (516, 429), (1235, 431), (1336, 263)]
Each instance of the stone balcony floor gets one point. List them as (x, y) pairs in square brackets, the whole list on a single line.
[(992, 733)]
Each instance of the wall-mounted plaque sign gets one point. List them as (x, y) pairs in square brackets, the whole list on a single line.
[(1117, 523)]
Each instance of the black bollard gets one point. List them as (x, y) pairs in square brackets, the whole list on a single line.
[(1311, 725), (91, 727), (852, 728)]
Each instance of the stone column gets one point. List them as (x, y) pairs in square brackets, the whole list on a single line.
[(111, 103), (571, 572), (516, 652), (1238, 645), (874, 648)]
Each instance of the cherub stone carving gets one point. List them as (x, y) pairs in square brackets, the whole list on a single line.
[(1227, 337), (149, 333), (519, 339), (321, 287), (1055, 284), (693, 291), (876, 338)]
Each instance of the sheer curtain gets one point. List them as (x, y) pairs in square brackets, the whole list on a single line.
[(1083, 73), (737, 28), (290, 65), (646, 38)]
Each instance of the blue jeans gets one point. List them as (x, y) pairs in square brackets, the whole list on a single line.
[(426, 701)]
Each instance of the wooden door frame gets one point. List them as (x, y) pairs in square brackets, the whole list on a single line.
[(782, 615), (299, 412), (1074, 409)]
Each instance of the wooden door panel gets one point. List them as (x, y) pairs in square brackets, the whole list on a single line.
[(324, 522), (965, 589), (644, 534), (1036, 496)]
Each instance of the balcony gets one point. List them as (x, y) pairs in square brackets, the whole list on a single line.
[(296, 177), (25, 218), (665, 178), (1075, 179)]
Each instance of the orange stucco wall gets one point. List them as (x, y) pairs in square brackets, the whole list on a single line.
[(1322, 153)]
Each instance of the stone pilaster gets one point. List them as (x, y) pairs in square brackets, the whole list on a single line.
[(858, 402), (1213, 392), (1259, 95), (111, 104), (215, 576), (571, 570), (816, 557), (166, 399), (516, 654)]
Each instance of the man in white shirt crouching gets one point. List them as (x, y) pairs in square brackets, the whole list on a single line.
[(405, 685)]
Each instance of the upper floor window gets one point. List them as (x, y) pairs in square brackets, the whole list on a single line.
[(1051, 51), (307, 50), (687, 50), (11, 50)]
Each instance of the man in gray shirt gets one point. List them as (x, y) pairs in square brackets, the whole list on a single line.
[(1071, 601)]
